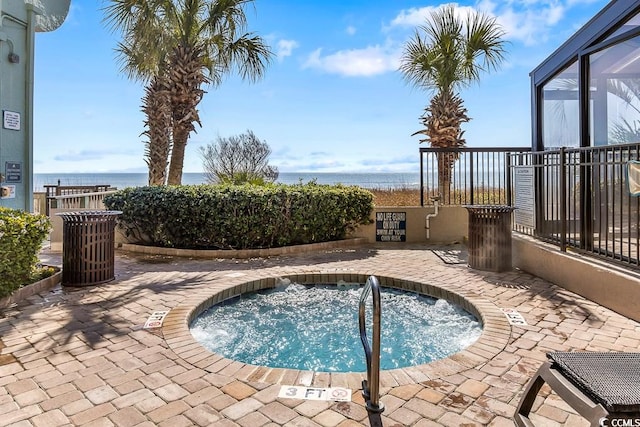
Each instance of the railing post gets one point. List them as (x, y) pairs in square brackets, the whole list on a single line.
[(507, 162), (563, 199), (421, 178), (471, 180), (371, 386)]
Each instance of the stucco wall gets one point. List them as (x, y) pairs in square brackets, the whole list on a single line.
[(19, 20), (610, 286), (449, 226), (15, 102)]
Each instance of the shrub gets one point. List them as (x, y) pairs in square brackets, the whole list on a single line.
[(241, 159), (240, 216), (21, 236)]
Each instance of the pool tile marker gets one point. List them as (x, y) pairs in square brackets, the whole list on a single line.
[(334, 394), (514, 317), (156, 319)]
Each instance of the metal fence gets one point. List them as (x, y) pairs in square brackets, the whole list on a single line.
[(54, 191), (467, 176), (579, 196), (582, 201)]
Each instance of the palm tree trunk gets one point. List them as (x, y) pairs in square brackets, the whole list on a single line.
[(157, 108), (180, 137), (443, 119), (186, 80), (445, 169)]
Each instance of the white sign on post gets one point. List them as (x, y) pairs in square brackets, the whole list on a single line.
[(10, 120)]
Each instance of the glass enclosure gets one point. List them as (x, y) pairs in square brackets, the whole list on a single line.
[(586, 133), (614, 74), (560, 116), (609, 60)]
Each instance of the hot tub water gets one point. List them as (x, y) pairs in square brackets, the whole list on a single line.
[(315, 327)]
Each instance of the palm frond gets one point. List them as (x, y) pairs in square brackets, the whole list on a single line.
[(448, 52)]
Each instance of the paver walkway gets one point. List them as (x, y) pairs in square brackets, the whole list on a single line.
[(80, 356)]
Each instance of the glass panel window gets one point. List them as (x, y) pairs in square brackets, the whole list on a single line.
[(629, 25), (560, 122), (615, 92)]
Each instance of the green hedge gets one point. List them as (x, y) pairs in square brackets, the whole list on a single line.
[(240, 216), (21, 237)]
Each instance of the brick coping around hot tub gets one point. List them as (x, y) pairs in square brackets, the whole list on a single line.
[(494, 338), (242, 253)]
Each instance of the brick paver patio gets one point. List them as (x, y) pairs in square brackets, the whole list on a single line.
[(80, 356)]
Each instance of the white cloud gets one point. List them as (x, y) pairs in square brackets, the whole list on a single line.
[(528, 21), (575, 2), (418, 16), (369, 61), (532, 25), (532, 22), (555, 14), (285, 48)]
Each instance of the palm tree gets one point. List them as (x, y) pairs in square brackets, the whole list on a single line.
[(143, 60), (446, 54), (156, 105), (176, 47)]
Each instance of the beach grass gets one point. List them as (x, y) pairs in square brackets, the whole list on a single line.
[(396, 196)]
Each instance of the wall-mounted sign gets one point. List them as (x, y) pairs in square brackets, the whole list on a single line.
[(391, 226), (13, 172), (524, 188), (10, 120), (7, 192)]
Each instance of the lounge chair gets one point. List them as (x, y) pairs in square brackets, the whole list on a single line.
[(599, 386)]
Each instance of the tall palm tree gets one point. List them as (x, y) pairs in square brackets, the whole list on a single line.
[(177, 47), (142, 59), (446, 54)]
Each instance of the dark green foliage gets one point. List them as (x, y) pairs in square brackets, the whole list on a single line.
[(240, 216), (21, 236)]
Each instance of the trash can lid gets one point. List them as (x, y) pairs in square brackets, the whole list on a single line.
[(88, 214), (490, 208)]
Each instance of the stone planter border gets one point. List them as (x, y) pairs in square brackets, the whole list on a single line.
[(32, 289)]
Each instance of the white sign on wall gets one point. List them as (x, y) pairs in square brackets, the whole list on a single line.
[(7, 192), (10, 120)]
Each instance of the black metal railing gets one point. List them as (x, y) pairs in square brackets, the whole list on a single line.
[(580, 196), (468, 176), (583, 201)]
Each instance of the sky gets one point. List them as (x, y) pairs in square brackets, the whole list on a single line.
[(332, 98)]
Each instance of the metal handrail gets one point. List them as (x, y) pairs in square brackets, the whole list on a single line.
[(371, 386)]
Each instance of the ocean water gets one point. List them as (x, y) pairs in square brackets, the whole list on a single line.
[(382, 180)]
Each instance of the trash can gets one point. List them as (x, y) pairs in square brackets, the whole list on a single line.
[(88, 241), (490, 237)]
